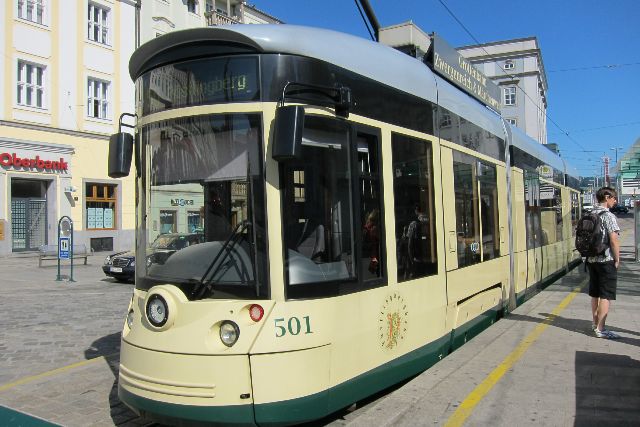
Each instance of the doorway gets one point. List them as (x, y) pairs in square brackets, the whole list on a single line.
[(28, 214)]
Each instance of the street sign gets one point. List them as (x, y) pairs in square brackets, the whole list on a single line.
[(63, 248)]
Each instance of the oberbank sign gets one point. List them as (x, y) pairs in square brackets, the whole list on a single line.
[(8, 160)]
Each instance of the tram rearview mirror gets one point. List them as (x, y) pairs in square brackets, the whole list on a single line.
[(287, 133), (120, 153)]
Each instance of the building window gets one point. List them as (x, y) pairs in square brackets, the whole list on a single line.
[(98, 24), (513, 122), (509, 95), (508, 65), (31, 10), (97, 99), (445, 120), (100, 208), (192, 6), (30, 84), (194, 222), (168, 221)]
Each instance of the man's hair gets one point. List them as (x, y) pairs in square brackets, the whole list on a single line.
[(601, 194)]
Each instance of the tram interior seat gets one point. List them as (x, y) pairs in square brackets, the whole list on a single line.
[(311, 243)]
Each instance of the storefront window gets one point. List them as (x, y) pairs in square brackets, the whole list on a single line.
[(168, 222), (100, 206)]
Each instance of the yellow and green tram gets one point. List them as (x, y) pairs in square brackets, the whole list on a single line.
[(360, 219)]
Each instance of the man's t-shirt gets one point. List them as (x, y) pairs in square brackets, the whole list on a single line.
[(610, 224)]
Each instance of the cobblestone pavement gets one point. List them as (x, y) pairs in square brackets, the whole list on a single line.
[(60, 340)]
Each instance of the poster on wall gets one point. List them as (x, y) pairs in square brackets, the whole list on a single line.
[(108, 218), (99, 218), (91, 218)]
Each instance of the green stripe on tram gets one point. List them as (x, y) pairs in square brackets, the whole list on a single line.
[(11, 417)]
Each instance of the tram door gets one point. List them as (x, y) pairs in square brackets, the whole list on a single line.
[(535, 235), (28, 214)]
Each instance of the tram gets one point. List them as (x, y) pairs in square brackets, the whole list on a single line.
[(360, 218)]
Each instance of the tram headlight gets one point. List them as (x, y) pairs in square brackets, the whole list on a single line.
[(130, 319), (229, 333), (157, 310)]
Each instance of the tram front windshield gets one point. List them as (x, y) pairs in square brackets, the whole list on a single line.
[(201, 186)]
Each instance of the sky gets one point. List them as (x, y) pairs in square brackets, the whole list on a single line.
[(590, 50)]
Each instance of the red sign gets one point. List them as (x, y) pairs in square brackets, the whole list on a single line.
[(8, 160)]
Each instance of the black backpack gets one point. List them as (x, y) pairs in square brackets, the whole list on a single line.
[(590, 235)]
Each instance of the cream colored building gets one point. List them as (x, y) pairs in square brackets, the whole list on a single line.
[(516, 67), (65, 82), (158, 17)]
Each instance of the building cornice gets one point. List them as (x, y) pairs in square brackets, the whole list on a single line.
[(31, 126), (164, 19), (503, 42), (43, 147)]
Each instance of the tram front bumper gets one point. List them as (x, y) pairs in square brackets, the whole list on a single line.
[(168, 387)]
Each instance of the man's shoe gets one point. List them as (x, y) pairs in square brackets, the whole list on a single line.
[(607, 334)]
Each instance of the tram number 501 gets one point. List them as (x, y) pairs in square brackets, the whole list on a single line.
[(293, 326)]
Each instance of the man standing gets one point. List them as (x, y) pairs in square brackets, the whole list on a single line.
[(603, 268)]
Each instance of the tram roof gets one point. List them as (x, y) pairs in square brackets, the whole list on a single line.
[(527, 144), (380, 63)]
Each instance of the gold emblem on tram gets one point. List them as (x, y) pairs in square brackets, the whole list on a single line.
[(393, 321)]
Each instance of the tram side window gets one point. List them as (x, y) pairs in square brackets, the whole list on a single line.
[(535, 237), (575, 211), (333, 229), (551, 213), (414, 210), (371, 266), (489, 211), (476, 202), (317, 202)]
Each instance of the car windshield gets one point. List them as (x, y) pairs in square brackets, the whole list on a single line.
[(201, 211), (175, 241)]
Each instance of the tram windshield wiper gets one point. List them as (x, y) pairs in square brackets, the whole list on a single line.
[(204, 286)]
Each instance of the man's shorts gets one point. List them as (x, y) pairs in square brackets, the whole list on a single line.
[(603, 279)]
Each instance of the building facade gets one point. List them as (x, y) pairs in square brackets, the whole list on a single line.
[(516, 67), (159, 17), (65, 80)]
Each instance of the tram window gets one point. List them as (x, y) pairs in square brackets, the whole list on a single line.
[(369, 186), (203, 181), (318, 236), (332, 234), (414, 210), (489, 211), (476, 202), (535, 236), (467, 209), (551, 213), (575, 211)]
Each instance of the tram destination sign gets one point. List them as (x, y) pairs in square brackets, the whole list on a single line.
[(447, 62)]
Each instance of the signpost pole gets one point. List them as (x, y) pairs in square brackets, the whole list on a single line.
[(65, 244)]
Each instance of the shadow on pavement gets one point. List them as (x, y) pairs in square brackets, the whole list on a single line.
[(580, 326), (607, 390), (109, 347)]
